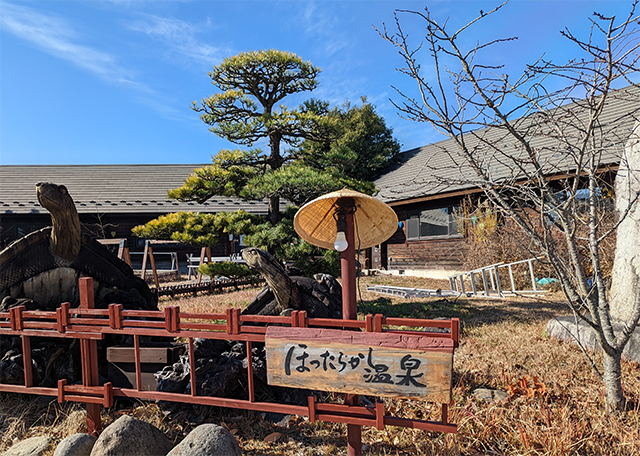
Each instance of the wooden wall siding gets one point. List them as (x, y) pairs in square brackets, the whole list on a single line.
[(121, 224), (431, 254)]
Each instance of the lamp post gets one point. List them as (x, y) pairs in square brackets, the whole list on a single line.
[(333, 221)]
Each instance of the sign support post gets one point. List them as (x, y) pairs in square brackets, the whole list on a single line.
[(330, 222), (350, 312)]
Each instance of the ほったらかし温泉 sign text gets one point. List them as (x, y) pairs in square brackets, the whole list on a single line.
[(381, 364)]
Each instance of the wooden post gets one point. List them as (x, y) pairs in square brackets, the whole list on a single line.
[(203, 252), (192, 368), (121, 247), (89, 355), (144, 259), (153, 267), (26, 359), (136, 360), (350, 312), (250, 386)]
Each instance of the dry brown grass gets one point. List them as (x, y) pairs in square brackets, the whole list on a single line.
[(503, 342)]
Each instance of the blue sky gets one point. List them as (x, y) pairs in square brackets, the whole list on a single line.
[(107, 82)]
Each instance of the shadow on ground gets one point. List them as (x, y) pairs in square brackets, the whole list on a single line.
[(471, 311)]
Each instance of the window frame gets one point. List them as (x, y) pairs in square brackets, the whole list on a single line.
[(417, 212)]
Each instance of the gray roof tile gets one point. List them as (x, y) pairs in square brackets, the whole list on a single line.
[(110, 189), (440, 168)]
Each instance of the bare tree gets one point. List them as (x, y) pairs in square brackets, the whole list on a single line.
[(541, 146)]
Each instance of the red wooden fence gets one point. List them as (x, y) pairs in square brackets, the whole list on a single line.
[(90, 325)]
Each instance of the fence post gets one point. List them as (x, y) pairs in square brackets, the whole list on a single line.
[(144, 260), (89, 355)]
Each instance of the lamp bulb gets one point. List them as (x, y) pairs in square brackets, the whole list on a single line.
[(341, 243)]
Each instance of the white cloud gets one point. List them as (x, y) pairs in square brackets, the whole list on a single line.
[(180, 37), (318, 24), (56, 37)]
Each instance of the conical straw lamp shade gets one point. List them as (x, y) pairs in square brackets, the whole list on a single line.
[(374, 221)]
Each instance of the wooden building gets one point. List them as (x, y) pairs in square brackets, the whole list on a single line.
[(111, 199), (429, 183)]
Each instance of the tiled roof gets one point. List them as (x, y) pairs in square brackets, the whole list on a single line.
[(110, 189), (439, 168)]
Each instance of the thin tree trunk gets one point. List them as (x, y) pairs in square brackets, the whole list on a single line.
[(274, 209), (613, 381), (275, 163)]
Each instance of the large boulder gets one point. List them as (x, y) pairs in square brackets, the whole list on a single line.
[(34, 446), (571, 330), (625, 276), (129, 436), (76, 445), (210, 440)]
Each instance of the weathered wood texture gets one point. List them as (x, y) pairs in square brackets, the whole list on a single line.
[(442, 253), (164, 355), (380, 364)]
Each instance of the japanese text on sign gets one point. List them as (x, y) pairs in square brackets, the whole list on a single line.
[(359, 363)]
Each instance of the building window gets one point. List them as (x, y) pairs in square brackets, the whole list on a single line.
[(432, 222)]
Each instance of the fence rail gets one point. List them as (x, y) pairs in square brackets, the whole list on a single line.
[(208, 286), (90, 325)]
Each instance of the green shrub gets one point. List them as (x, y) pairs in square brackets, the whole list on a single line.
[(227, 269)]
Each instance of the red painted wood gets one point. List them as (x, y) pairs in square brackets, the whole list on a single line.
[(108, 395), (66, 306), (229, 323), (455, 331), (210, 316), (26, 361), (236, 321), (143, 313), (336, 323), (89, 354), (369, 323), (39, 325), (379, 415), (136, 360), (60, 319), (44, 333), (377, 322), (312, 408), (42, 391), (213, 401), (88, 326), (192, 368), (417, 322), (61, 384), (390, 340), (250, 372)]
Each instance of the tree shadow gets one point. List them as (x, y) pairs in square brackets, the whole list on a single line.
[(471, 311)]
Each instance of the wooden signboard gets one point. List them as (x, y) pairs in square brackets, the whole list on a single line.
[(380, 364)]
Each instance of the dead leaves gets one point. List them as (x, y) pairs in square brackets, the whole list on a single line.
[(528, 387), (273, 437)]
